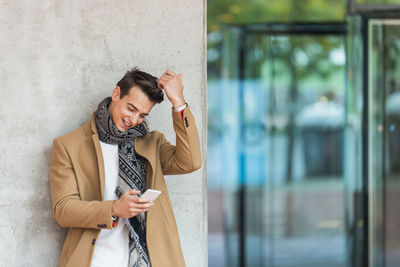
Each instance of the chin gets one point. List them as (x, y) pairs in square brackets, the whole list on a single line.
[(122, 129)]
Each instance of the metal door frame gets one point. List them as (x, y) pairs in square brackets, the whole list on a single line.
[(367, 13)]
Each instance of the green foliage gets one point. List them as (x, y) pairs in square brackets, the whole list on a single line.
[(316, 67), (262, 11), (304, 60), (378, 1)]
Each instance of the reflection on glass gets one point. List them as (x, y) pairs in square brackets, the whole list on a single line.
[(384, 141), (276, 143), (221, 12), (304, 82)]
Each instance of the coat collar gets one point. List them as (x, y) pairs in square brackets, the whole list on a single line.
[(142, 143), (99, 154)]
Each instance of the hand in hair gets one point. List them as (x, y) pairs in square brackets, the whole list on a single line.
[(173, 87)]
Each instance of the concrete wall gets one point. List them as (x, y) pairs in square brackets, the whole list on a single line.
[(58, 59)]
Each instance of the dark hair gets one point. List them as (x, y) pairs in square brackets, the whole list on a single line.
[(145, 81)]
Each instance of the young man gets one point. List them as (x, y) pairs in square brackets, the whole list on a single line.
[(99, 171)]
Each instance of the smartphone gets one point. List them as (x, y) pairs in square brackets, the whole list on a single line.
[(151, 194)]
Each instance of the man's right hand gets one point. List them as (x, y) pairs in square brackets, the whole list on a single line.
[(130, 205)]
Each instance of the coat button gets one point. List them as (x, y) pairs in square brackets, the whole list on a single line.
[(99, 225), (93, 241)]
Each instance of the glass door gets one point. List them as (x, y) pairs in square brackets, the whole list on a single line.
[(384, 141), (310, 167), (284, 103), (304, 201)]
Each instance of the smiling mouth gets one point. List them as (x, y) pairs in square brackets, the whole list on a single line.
[(125, 125)]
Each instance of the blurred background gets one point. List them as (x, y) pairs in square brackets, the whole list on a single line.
[(303, 156)]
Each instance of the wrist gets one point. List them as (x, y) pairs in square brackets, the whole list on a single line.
[(179, 103), (114, 208), (180, 109)]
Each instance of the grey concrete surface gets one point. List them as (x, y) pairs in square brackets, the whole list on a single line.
[(58, 59)]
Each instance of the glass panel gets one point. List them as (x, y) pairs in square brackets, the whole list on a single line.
[(275, 150), (384, 141), (223, 152), (293, 98)]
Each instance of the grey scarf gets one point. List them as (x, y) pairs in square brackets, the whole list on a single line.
[(132, 175)]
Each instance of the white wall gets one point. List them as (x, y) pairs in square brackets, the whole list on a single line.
[(58, 59)]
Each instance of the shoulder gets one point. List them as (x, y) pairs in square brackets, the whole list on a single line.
[(152, 136), (150, 141), (74, 137)]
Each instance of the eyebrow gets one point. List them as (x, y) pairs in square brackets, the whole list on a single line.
[(137, 108)]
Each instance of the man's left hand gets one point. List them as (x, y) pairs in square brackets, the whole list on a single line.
[(173, 87)]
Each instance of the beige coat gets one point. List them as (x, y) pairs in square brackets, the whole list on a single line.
[(77, 189)]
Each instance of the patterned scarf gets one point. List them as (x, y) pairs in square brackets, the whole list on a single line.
[(132, 175)]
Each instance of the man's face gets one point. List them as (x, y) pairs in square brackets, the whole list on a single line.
[(131, 109)]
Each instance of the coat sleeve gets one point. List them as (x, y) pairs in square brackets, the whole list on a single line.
[(185, 157), (68, 208)]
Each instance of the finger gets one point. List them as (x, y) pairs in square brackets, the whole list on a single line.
[(131, 198), (144, 205), (180, 75), (142, 200), (170, 72), (132, 192), (140, 205), (166, 74), (164, 79), (137, 211), (160, 83)]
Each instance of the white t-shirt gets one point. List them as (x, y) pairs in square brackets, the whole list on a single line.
[(112, 246)]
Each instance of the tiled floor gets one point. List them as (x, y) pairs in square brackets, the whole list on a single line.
[(293, 252)]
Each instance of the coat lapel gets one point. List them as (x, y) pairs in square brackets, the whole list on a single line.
[(99, 155), (142, 146)]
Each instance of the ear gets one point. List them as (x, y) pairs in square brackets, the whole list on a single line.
[(116, 93)]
